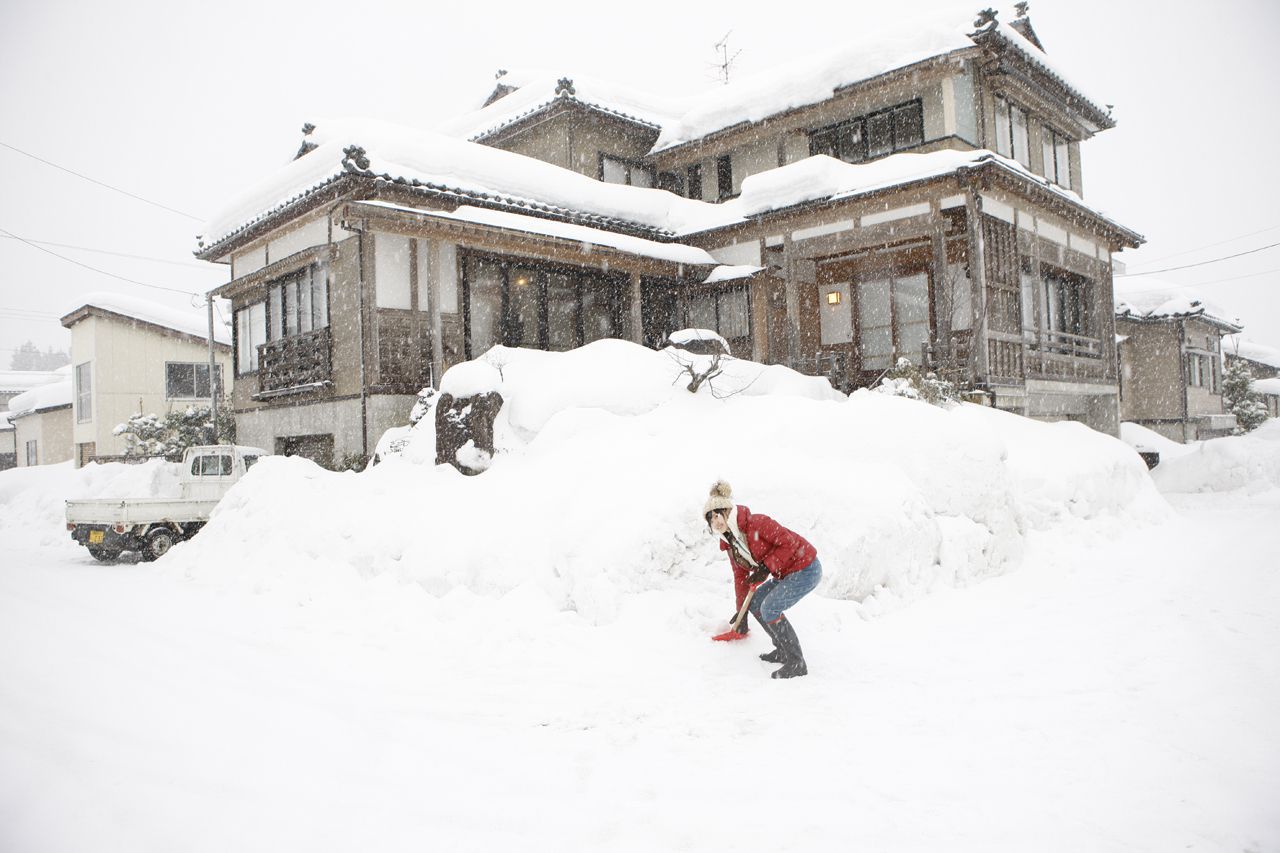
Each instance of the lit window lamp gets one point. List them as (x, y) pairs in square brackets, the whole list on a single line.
[(833, 298)]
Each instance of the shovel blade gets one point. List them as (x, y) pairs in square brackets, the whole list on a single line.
[(729, 636)]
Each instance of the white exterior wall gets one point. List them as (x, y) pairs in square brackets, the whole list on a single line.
[(50, 430), (341, 418), (128, 370)]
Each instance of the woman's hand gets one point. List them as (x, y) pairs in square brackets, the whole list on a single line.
[(760, 575)]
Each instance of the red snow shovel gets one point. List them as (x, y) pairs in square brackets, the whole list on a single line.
[(732, 634)]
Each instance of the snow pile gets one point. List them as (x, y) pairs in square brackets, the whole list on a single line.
[(1142, 439), (1153, 299), (49, 396), (33, 500), (1248, 463), (603, 462)]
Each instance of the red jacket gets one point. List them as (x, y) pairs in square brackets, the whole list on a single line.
[(773, 546)]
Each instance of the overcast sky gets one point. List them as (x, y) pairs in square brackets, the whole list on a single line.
[(186, 104)]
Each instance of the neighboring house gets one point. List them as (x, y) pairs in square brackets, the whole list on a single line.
[(41, 421), (1171, 360), (130, 356), (1264, 365), (13, 383), (917, 194)]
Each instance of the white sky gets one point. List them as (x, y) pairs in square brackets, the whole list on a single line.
[(186, 104)]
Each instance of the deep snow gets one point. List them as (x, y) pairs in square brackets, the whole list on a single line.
[(408, 658)]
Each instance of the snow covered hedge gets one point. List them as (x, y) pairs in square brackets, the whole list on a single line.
[(602, 466)]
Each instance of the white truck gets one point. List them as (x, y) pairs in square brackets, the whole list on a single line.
[(151, 526)]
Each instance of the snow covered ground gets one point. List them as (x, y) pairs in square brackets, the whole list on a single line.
[(1020, 643)]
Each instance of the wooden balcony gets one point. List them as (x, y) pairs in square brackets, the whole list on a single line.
[(1064, 356), (300, 361)]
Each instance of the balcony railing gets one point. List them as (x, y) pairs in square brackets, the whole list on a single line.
[(297, 361), (1062, 355)]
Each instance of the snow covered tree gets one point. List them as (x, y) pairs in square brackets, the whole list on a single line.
[(28, 357), (904, 379), (148, 435), (1240, 400)]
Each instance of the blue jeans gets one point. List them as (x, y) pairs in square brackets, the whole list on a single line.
[(775, 596)]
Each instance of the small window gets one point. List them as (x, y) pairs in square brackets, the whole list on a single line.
[(84, 392), (695, 181), (1011, 132), (867, 137), (615, 170), (724, 176), (211, 465), (33, 454), (1057, 161), (190, 380)]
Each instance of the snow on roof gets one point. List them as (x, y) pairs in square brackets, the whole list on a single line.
[(465, 169), (194, 322), (535, 89), (22, 380), (1267, 386), (1143, 298), (49, 396), (1245, 348), (5, 421), (726, 272), (862, 56), (675, 252)]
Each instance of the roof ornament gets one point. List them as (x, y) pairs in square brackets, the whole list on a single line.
[(307, 145), (564, 86), (502, 72), (308, 128), (354, 159), (1022, 9), (986, 18)]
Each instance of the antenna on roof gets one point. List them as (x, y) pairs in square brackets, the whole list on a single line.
[(726, 61)]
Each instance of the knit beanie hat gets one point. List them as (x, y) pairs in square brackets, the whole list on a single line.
[(721, 493)]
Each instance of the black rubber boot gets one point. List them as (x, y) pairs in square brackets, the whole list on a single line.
[(774, 656), (789, 645)]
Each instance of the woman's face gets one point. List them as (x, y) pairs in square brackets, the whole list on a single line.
[(719, 522)]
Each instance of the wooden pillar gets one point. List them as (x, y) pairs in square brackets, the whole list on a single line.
[(791, 291), (633, 327), (978, 358), (944, 289)]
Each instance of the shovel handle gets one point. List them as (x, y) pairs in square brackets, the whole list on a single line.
[(742, 611)]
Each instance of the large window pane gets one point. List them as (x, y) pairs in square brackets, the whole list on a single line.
[(852, 146), (1062, 158), (276, 313), (304, 301), (875, 329), (84, 392), (702, 312), (873, 302), (180, 380), (562, 313), (291, 306), (911, 314), (1004, 133), (879, 135), (523, 308), (613, 171), (734, 314), (908, 126), (320, 297), (1021, 146), (484, 305), (599, 312)]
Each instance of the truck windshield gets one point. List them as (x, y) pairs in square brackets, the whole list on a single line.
[(211, 466)]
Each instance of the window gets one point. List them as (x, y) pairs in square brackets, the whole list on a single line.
[(1066, 300), (726, 312), (615, 170), (211, 465), (32, 453), (871, 136), (538, 306), (1011, 131), (695, 181), (671, 182), (84, 392), (184, 380), (1057, 160), (1202, 371), (724, 176), (300, 302), (893, 318), (251, 333)]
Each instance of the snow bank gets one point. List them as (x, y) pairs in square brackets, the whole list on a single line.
[(1248, 463), (603, 462), (33, 500), (1140, 438)]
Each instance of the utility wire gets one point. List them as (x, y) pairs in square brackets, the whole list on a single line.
[(1204, 283), (1206, 246), (1203, 263), (101, 183), (117, 254), (95, 269)]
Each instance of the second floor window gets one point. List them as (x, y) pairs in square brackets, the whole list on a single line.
[(695, 181), (299, 302), (84, 392), (190, 380), (1057, 159), (1011, 131), (873, 135), (614, 170), (724, 176)]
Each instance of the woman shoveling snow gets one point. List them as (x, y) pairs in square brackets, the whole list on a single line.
[(773, 567)]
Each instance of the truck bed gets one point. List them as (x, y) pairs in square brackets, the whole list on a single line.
[(131, 511)]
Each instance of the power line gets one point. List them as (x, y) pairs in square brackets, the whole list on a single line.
[(1204, 283), (1203, 263), (117, 254), (1207, 246), (101, 183), (95, 269)]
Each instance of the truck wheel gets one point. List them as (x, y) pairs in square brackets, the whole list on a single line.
[(159, 541), (104, 555)]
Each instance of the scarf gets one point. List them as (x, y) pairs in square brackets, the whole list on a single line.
[(736, 543)]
